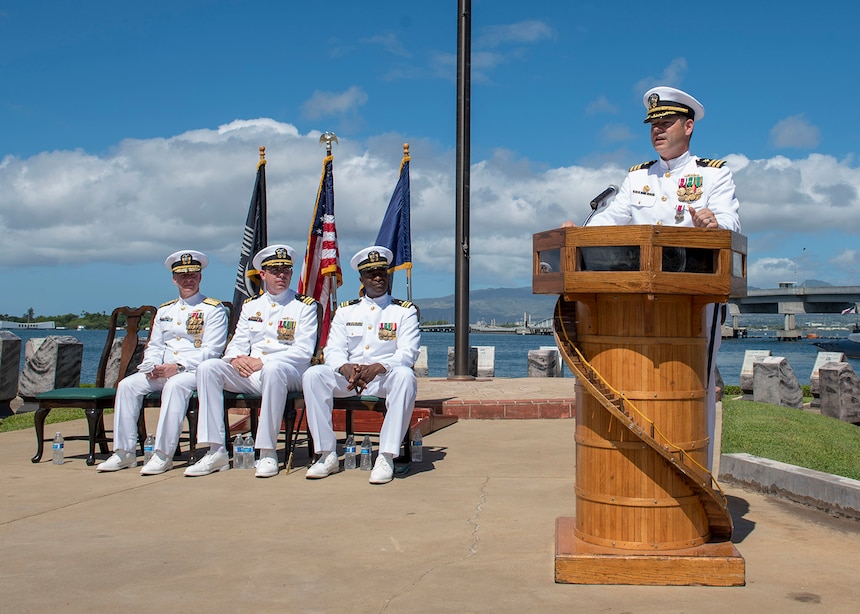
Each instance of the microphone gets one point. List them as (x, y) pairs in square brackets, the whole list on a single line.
[(603, 196)]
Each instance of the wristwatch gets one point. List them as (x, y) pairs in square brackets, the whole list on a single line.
[(180, 368)]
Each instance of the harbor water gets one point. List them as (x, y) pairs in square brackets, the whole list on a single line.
[(511, 350)]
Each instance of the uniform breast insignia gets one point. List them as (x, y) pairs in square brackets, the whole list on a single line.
[(165, 319), (359, 324), (258, 317), (286, 330), (642, 166), (645, 190), (388, 331), (212, 301), (194, 326), (710, 163), (690, 188)]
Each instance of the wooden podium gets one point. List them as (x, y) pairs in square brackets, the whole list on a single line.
[(631, 324)]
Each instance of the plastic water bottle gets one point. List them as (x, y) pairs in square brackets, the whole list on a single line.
[(366, 454), (249, 451), (148, 448), (349, 453), (417, 445), (57, 449), (238, 452)]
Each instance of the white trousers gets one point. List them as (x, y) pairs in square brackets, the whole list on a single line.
[(175, 393), (272, 383), (399, 387)]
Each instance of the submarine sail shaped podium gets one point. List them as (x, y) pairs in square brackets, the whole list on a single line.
[(638, 308)]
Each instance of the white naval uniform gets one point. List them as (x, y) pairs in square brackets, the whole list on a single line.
[(649, 195), (367, 331), (170, 342), (285, 357)]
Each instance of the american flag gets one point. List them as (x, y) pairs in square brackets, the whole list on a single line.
[(322, 262)]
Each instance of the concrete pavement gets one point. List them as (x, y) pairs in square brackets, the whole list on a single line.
[(469, 529)]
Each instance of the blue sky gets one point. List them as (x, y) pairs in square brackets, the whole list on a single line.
[(128, 131)]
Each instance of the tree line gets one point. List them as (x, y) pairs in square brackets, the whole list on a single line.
[(72, 320)]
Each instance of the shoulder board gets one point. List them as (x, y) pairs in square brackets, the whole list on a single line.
[(168, 303), (711, 163), (249, 299), (352, 302), (406, 304), (644, 165), (211, 301), (304, 298)]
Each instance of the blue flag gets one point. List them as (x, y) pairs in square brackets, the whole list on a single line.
[(396, 230)]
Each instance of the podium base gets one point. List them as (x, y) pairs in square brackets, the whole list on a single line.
[(578, 562)]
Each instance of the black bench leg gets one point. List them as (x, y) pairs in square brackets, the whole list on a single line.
[(192, 415), (94, 419), (39, 424)]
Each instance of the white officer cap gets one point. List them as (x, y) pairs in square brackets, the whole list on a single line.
[(186, 261), (275, 255), (662, 101), (373, 257)]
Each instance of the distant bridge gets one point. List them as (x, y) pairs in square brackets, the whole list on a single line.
[(792, 299)]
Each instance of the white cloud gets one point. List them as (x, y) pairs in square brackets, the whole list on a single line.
[(672, 75), (601, 105), (325, 104), (390, 42), (795, 132), (143, 198), (529, 31)]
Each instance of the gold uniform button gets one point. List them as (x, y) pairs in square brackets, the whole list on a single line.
[(268, 340), (369, 327), (663, 198), (264, 352), (366, 347), (373, 307), (175, 353), (667, 175), (270, 323)]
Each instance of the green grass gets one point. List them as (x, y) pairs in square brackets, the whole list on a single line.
[(25, 421), (791, 436)]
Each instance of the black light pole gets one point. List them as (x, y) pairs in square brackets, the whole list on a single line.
[(461, 264)]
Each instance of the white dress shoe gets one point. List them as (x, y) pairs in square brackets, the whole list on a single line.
[(267, 466), (157, 464), (383, 470), (212, 462), (118, 460), (324, 467)]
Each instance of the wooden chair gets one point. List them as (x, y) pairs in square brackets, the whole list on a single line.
[(253, 402), (95, 400)]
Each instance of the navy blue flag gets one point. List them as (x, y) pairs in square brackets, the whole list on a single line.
[(396, 230), (255, 238)]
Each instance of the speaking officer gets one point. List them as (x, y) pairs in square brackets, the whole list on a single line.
[(677, 189), (186, 331), (372, 346), (273, 344)]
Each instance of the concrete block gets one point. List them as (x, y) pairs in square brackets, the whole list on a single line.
[(820, 359), (10, 359), (114, 358), (473, 361), (840, 392), (543, 363), (559, 360), (49, 363), (486, 360), (750, 357), (774, 382), (422, 368)]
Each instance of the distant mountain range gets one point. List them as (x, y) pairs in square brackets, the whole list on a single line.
[(507, 305), (504, 305)]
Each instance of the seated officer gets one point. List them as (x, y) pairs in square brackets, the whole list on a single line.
[(372, 346), (273, 344), (186, 331)]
